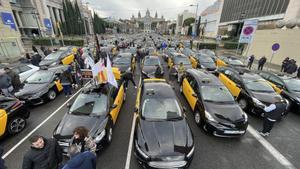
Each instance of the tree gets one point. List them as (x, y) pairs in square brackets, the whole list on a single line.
[(73, 24), (188, 21), (99, 24)]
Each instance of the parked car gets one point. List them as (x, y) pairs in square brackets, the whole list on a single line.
[(213, 106), (162, 136), (24, 70), (203, 61), (64, 55), (228, 60), (124, 61), (148, 66)]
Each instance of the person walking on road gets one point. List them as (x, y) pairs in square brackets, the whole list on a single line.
[(250, 61), (291, 67), (83, 141), (67, 81), (181, 70), (261, 63), (15, 78), (44, 153), (284, 64), (128, 76), (79, 160), (158, 72), (272, 113), (6, 84), (2, 162)]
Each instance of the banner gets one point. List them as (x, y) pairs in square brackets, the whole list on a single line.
[(248, 31), (8, 19), (48, 24)]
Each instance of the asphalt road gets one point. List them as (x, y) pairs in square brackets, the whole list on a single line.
[(247, 152)]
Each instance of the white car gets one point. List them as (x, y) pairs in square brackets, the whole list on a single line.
[(25, 70)]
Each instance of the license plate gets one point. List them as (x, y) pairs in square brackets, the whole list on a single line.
[(233, 132)]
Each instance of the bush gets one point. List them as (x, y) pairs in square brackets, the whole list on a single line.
[(207, 45), (47, 42), (232, 45)]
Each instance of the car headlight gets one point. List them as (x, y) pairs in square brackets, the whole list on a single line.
[(141, 152), (258, 103), (191, 152), (245, 116), (209, 117), (100, 136)]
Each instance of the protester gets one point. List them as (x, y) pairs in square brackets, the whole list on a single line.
[(76, 74), (15, 78), (284, 64), (158, 72), (181, 70), (291, 67), (66, 81), (5, 84), (298, 72), (272, 113), (44, 153), (78, 160), (83, 141), (36, 59), (128, 76), (2, 162), (250, 61), (261, 63)]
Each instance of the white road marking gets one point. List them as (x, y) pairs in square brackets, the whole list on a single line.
[(274, 152), (37, 127), (129, 152)]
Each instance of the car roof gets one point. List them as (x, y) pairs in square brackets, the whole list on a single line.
[(157, 89), (204, 78)]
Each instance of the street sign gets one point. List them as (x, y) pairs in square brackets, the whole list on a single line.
[(8, 19), (248, 31), (275, 47)]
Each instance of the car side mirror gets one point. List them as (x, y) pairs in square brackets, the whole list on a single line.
[(113, 106), (194, 95)]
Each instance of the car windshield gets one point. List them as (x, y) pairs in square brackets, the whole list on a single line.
[(89, 104), (184, 60), (235, 62), (122, 61), (171, 50), (161, 109), (40, 77), (293, 84), (259, 86), (216, 94), (204, 58), (151, 62), (54, 55)]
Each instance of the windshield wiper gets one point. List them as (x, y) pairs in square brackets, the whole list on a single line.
[(174, 118), (78, 113)]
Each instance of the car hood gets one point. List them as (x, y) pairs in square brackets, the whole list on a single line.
[(149, 69), (209, 65), (122, 68), (268, 98), (46, 62), (31, 88), (225, 113), (69, 122), (166, 138)]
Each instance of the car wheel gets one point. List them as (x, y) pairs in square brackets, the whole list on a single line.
[(243, 103), (51, 95), (197, 118), (16, 125), (109, 133)]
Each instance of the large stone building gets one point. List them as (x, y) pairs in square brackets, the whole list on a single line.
[(150, 24), (11, 45)]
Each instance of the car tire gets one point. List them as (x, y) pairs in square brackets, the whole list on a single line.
[(197, 118), (51, 95), (243, 103), (109, 133), (16, 125)]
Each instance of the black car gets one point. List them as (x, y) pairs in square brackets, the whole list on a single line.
[(162, 136), (230, 61), (210, 53), (124, 61), (287, 86), (148, 66), (213, 106), (95, 108), (13, 115), (204, 61), (42, 86), (251, 90), (64, 55)]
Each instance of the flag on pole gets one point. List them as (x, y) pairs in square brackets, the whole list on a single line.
[(110, 75)]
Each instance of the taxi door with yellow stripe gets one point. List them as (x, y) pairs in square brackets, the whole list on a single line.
[(231, 85), (68, 60), (118, 102), (276, 88), (188, 92), (194, 62), (3, 121), (221, 63)]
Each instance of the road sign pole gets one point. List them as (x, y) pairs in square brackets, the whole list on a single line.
[(271, 59)]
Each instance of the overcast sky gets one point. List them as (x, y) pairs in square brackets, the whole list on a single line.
[(125, 8)]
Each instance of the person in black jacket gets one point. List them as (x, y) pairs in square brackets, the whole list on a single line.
[(250, 61), (158, 72), (284, 64), (66, 80), (2, 163), (128, 76), (15, 79), (261, 63), (291, 67), (43, 154)]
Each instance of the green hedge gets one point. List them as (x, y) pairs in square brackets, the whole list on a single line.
[(47, 42), (232, 45), (207, 45)]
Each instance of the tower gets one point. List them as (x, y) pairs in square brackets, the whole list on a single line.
[(147, 12), (156, 14), (139, 14)]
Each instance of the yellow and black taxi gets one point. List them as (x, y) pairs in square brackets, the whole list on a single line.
[(230, 61), (96, 108), (13, 115), (162, 136), (43, 85), (251, 90), (124, 61), (177, 58), (203, 61), (149, 66), (287, 86), (213, 106), (65, 56), (168, 53)]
